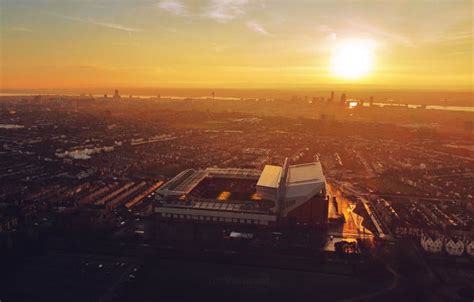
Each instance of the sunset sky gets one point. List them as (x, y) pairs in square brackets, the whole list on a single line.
[(232, 43)]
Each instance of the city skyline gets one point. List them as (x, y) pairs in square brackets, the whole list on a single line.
[(237, 44)]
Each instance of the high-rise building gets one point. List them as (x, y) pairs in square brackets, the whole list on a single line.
[(116, 94), (343, 99)]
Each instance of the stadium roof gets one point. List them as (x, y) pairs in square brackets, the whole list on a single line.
[(186, 181), (233, 172), (301, 182), (270, 176), (310, 172), (304, 180)]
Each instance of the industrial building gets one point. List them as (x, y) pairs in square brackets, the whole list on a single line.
[(277, 196)]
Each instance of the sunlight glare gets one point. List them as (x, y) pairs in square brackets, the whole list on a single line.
[(353, 59)]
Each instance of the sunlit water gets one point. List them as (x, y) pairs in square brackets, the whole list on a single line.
[(411, 106)]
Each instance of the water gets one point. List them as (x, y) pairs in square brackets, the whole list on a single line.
[(428, 107), (412, 106)]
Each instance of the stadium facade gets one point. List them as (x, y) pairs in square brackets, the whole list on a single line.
[(288, 195)]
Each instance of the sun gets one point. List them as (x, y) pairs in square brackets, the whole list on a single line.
[(352, 59)]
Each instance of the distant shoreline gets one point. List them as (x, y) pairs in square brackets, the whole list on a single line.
[(429, 106)]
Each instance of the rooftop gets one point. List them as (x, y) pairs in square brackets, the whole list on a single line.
[(310, 172), (214, 205), (186, 181), (270, 176)]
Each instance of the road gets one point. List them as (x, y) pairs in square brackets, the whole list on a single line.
[(350, 229), (346, 187)]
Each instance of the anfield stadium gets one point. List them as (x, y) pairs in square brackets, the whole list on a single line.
[(288, 195)]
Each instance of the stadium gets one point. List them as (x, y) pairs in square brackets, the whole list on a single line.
[(277, 196)]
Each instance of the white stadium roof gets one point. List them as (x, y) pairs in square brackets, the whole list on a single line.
[(301, 182), (310, 172), (304, 181), (270, 176)]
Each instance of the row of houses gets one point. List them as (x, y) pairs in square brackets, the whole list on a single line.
[(451, 246)]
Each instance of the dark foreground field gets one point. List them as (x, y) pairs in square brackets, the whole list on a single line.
[(166, 276)]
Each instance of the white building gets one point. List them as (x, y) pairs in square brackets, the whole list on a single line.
[(470, 248), (454, 247), (431, 245)]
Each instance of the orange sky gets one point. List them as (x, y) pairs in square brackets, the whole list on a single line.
[(231, 43)]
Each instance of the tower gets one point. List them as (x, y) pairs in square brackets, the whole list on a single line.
[(343, 99)]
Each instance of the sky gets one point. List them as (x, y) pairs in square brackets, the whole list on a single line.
[(276, 44)]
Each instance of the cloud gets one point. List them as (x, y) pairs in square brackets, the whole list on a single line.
[(454, 37), (381, 33), (174, 7), (109, 25), (257, 27), (225, 10), (113, 26), (21, 29)]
